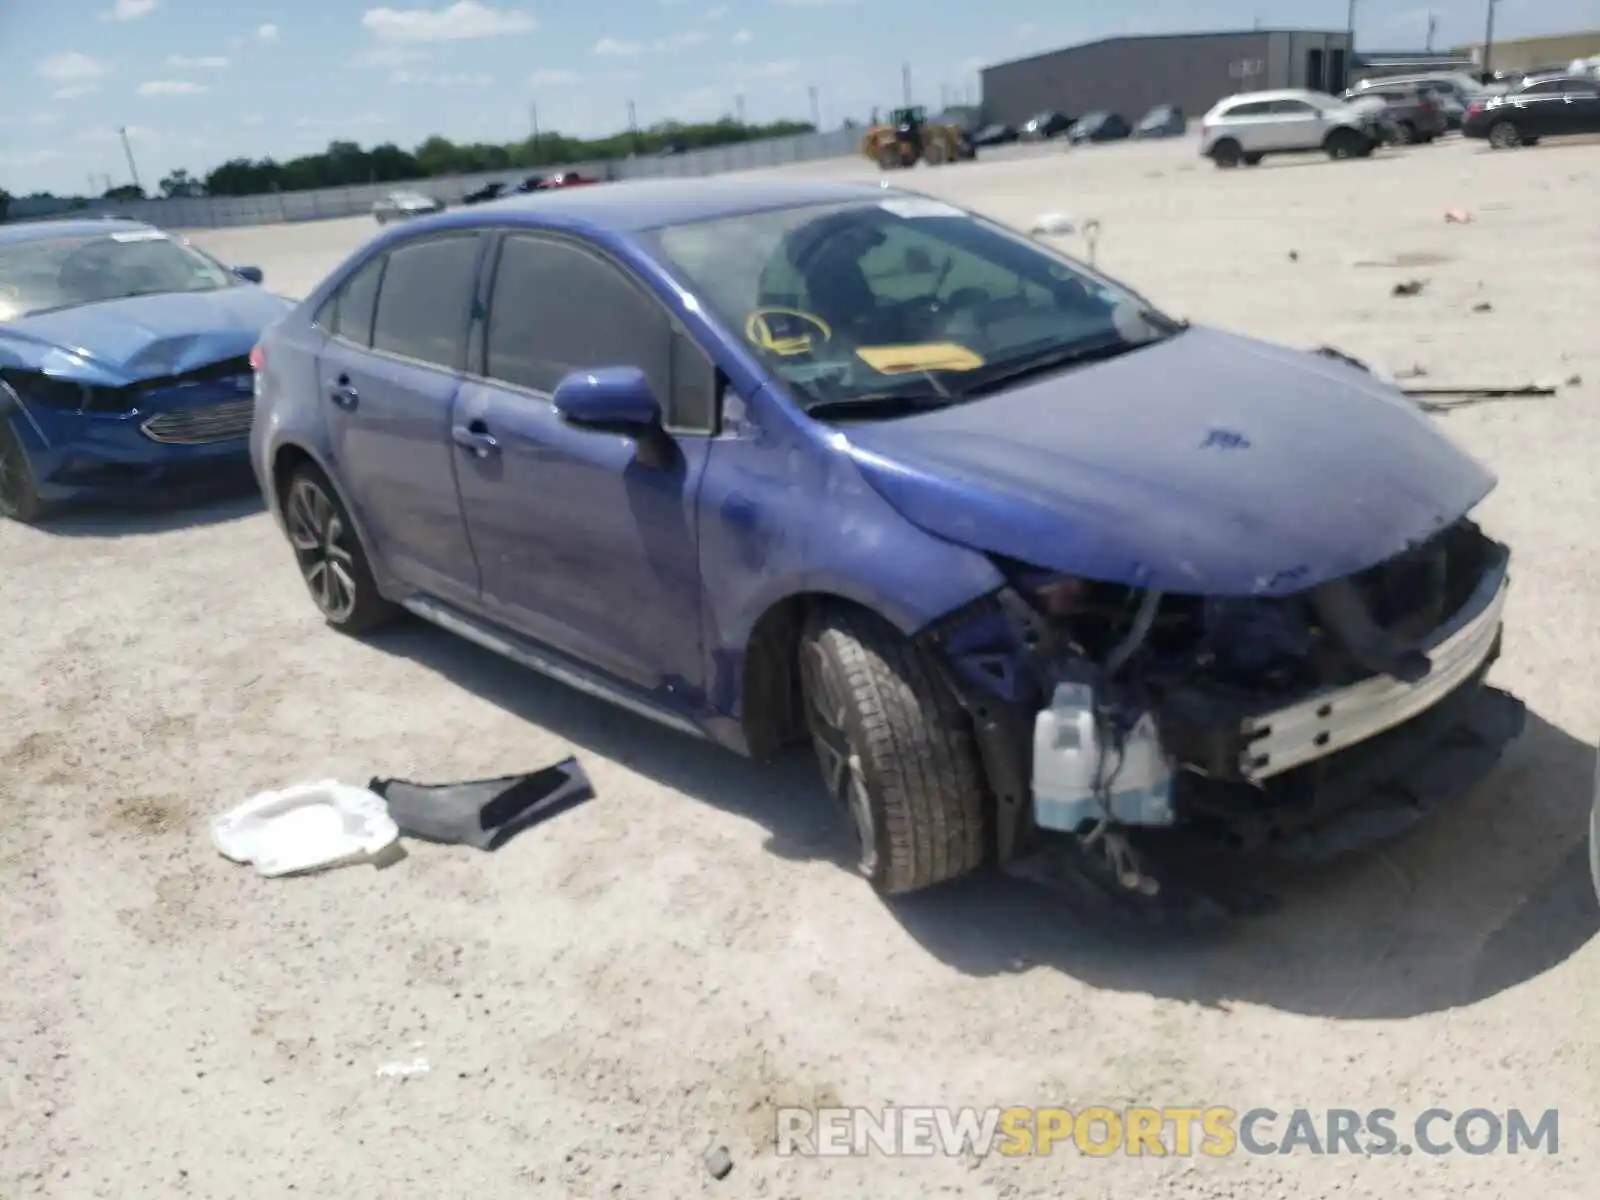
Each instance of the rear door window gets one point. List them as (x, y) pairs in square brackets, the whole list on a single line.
[(1255, 108), (425, 303)]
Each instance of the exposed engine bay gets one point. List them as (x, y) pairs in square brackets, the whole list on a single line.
[(1134, 735)]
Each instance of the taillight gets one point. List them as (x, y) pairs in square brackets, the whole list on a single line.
[(1474, 108), (258, 359)]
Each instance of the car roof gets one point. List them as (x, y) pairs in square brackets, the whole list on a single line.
[(1277, 94), (637, 205), (30, 231)]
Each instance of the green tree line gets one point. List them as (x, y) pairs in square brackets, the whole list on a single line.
[(346, 163)]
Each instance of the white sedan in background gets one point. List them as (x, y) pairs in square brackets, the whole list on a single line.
[(397, 206)]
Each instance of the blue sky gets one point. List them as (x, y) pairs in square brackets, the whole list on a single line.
[(198, 81)]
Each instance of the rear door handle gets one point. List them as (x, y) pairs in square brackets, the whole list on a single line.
[(343, 394), (476, 438)]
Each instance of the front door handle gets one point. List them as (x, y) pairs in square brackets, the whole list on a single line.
[(343, 394), (476, 438)]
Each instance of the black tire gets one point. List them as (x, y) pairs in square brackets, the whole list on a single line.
[(897, 751), (888, 158), (1345, 143), (934, 153), (1408, 134), (19, 491), (1253, 160), (1504, 135), (328, 550), (1227, 154)]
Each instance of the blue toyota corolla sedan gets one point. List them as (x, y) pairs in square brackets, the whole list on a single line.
[(123, 361), (1044, 575)]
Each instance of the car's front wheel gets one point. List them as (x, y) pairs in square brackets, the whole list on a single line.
[(332, 560), (897, 751), (1227, 153), (19, 492)]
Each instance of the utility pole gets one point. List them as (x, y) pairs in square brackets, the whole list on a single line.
[(1349, 48), (134, 170), (1433, 28), (533, 118), (1488, 40), (816, 112), (738, 106), (905, 82), (633, 126)]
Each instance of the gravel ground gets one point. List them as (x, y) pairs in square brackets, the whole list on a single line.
[(656, 971)]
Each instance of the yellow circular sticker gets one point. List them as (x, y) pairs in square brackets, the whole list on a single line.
[(786, 331)]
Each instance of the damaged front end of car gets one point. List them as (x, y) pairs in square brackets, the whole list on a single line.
[(1137, 743)]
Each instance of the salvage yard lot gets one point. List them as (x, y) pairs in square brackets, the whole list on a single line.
[(658, 970)]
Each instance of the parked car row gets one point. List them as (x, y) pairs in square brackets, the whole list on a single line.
[(404, 204), (1165, 120)]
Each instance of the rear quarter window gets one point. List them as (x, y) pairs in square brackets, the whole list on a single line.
[(348, 312)]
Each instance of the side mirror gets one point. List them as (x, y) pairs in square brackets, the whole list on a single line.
[(616, 400), (249, 274)]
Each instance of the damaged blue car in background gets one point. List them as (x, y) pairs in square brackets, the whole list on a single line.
[(123, 362), (1045, 576)]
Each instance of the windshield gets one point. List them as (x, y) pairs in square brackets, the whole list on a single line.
[(903, 295), (42, 274)]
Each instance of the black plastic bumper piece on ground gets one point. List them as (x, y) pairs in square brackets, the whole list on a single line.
[(484, 813)]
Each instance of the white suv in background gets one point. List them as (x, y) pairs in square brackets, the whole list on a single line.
[(1248, 127)]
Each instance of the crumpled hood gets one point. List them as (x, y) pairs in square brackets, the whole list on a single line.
[(143, 337), (1208, 464)]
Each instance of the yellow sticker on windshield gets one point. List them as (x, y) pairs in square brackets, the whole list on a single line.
[(928, 356)]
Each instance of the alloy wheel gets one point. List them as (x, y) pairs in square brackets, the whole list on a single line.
[(324, 548), (1504, 136), (841, 765)]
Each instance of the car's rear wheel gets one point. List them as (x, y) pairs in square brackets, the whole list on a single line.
[(1345, 143), (19, 492), (897, 751), (1227, 153), (1504, 135), (332, 560), (1406, 133)]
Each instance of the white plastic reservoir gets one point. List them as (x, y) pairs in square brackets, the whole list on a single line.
[(1066, 758)]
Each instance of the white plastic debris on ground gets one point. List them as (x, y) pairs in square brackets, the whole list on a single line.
[(404, 1070), (1055, 225), (308, 827)]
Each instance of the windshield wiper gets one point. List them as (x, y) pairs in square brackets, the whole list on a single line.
[(1006, 373), (886, 403)]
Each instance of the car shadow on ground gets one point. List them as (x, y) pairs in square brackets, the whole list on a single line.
[(213, 505), (1476, 900)]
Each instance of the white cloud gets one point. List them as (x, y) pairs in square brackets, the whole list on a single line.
[(717, 13), (744, 37), (44, 118), (129, 10), (612, 47), (267, 32), (205, 62), (465, 20), (71, 68), (446, 79), (75, 92), (171, 87), (553, 78)]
